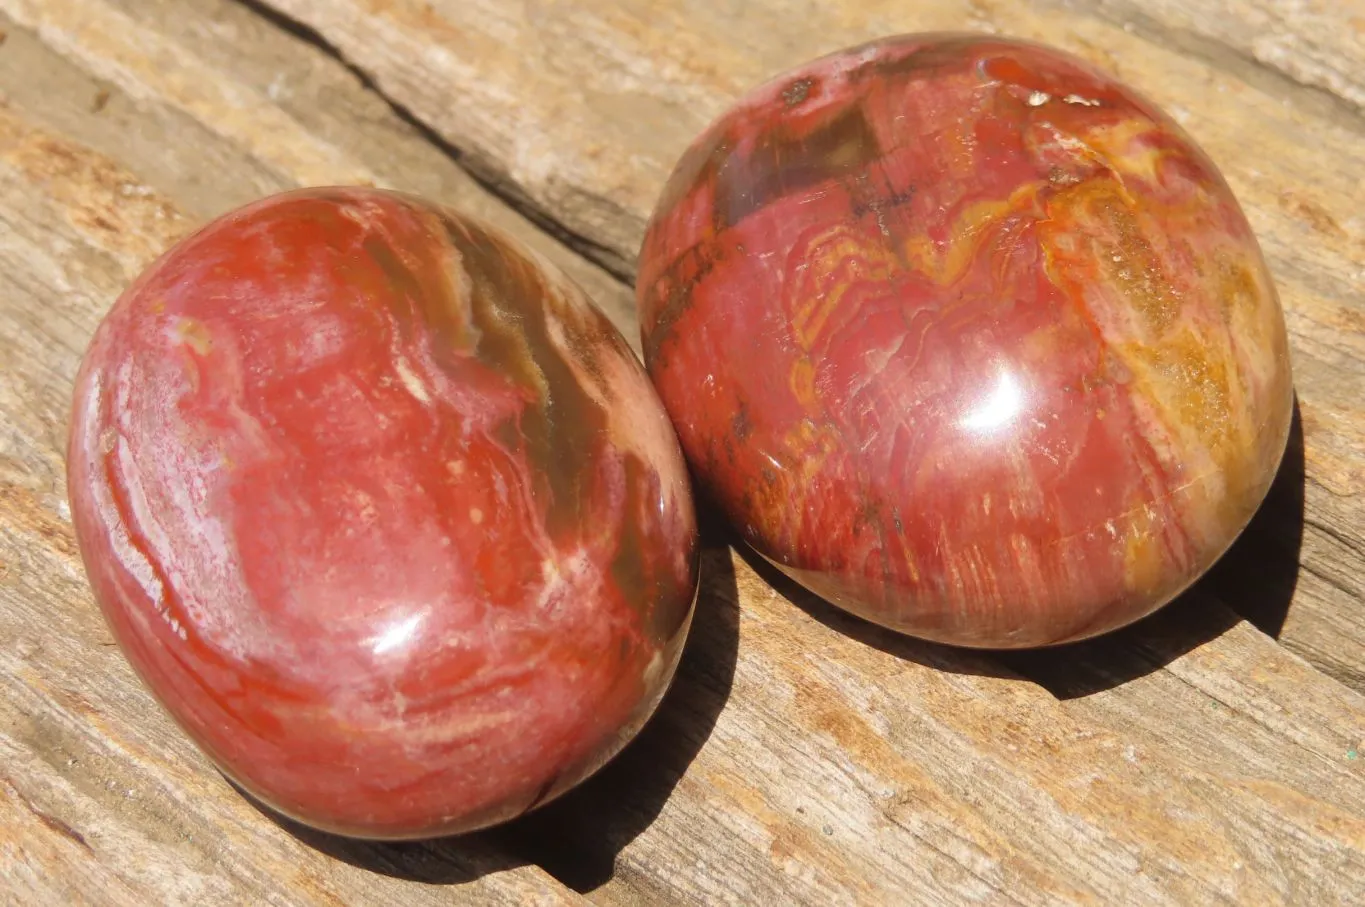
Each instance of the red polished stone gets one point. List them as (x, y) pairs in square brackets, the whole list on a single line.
[(384, 512), (968, 338)]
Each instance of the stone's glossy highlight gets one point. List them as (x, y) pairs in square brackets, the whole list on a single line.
[(968, 338), (384, 511)]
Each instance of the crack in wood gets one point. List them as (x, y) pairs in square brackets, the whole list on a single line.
[(50, 821), (1332, 581), (1342, 673), (1337, 535), (606, 258)]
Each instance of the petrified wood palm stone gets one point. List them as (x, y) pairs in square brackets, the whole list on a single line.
[(968, 338), (384, 511)]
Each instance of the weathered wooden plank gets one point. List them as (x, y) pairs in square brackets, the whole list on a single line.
[(802, 757)]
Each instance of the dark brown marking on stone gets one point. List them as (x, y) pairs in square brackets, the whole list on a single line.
[(677, 282), (881, 203), (797, 92), (699, 165), (561, 433), (406, 285), (568, 431), (588, 333), (881, 200), (510, 305), (741, 426), (784, 163), (631, 568)]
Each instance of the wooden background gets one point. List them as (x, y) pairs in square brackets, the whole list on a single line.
[(1212, 754)]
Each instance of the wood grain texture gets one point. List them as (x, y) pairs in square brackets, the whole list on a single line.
[(802, 757)]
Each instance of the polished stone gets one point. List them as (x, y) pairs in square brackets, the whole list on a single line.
[(384, 512), (968, 338)]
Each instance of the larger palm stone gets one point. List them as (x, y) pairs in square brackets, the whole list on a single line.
[(967, 337)]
